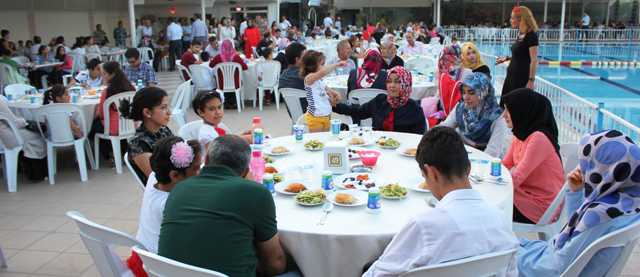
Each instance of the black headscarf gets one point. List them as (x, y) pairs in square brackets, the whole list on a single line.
[(531, 112)]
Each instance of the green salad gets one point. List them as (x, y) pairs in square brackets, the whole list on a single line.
[(388, 142), (314, 145), (393, 191), (308, 197)]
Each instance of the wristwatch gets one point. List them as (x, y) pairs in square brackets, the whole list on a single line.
[(532, 79)]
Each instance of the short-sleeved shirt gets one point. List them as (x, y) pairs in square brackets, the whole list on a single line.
[(143, 142), (215, 219), (85, 78), (208, 133), (144, 72), (318, 99)]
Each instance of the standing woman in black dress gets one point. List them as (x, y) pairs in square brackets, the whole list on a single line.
[(524, 52)]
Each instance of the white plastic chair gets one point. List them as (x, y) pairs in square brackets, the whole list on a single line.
[(133, 171), (570, 156), (158, 266), (57, 117), (202, 77), (17, 90), (126, 129), (146, 55), (21, 60), (191, 130), (99, 241), (362, 96), (180, 103), (91, 56), (626, 238), (182, 71), (11, 156), (226, 72), (292, 98), (492, 264), (546, 227), (4, 73), (270, 74)]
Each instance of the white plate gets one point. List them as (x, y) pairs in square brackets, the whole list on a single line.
[(388, 147), (417, 188), (313, 149), (393, 198), (268, 152), (310, 205), (340, 182), (280, 187), (360, 198), (401, 151)]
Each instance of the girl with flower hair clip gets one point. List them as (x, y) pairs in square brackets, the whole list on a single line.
[(172, 161)]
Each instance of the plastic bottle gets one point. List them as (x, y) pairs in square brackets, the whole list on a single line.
[(257, 164), (256, 122), (139, 84)]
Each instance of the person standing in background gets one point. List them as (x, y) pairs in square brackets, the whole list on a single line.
[(174, 35), (243, 26), (251, 38), (226, 31), (186, 33), (120, 35), (100, 36), (200, 31)]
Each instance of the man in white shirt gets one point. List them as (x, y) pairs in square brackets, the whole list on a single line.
[(338, 24), (284, 25), (92, 76), (461, 225), (37, 42), (412, 47), (243, 26), (344, 54), (586, 21), (213, 47), (200, 31), (328, 22), (174, 35)]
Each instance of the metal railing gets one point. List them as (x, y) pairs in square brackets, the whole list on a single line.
[(508, 34), (576, 116)]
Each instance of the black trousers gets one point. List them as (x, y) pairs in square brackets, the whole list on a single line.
[(175, 53), (519, 217)]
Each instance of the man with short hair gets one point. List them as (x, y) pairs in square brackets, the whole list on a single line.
[(4, 34), (99, 36), (120, 35), (327, 22), (412, 47), (137, 70), (461, 225), (91, 77), (290, 77), (344, 54), (222, 221), (191, 56), (174, 35), (213, 47), (200, 30), (37, 42), (389, 52)]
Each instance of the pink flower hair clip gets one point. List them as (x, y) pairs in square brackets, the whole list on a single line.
[(181, 155)]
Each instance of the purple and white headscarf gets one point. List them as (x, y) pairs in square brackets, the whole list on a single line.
[(610, 165)]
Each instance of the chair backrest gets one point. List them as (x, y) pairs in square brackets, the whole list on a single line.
[(14, 130), (270, 73), (552, 213), (5, 70), (99, 241), (158, 266), (20, 59), (191, 130), (133, 171), (181, 97), (292, 99), (59, 116), (146, 54), (570, 156), (364, 95), (183, 71), (17, 90), (227, 71), (91, 56), (492, 264), (125, 125), (626, 238), (202, 77)]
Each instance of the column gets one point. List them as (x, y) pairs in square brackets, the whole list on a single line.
[(435, 11), (546, 7), (564, 6), (203, 12), (439, 12), (132, 23)]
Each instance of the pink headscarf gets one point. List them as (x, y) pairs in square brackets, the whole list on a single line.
[(368, 73), (405, 87), (449, 61), (227, 51)]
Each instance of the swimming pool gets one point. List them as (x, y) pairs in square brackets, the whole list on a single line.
[(617, 88)]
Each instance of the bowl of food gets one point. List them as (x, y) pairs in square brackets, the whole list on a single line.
[(393, 191), (387, 143), (311, 198), (314, 145), (369, 157)]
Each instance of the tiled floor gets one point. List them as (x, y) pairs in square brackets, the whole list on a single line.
[(39, 240)]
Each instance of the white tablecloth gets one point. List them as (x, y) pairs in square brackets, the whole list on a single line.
[(27, 110), (421, 86), (352, 237)]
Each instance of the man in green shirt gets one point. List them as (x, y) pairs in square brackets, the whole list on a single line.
[(222, 221)]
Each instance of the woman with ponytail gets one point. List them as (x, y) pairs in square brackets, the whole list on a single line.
[(151, 106)]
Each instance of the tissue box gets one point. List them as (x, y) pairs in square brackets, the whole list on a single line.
[(336, 158)]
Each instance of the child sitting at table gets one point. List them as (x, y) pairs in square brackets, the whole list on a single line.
[(208, 106), (60, 94), (318, 116), (266, 53)]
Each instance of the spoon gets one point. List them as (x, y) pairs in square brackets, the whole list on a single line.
[(326, 208)]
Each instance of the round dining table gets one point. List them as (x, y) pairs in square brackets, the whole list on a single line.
[(421, 88), (351, 236)]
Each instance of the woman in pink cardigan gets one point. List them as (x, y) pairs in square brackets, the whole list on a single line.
[(533, 158)]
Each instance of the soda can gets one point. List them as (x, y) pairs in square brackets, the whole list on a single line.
[(373, 201), (335, 127), (298, 132), (496, 167), (327, 180), (268, 183), (258, 136)]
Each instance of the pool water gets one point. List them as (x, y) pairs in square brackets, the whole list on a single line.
[(617, 88)]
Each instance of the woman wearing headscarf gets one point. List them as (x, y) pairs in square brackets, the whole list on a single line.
[(471, 59), (477, 116), (370, 75), (449, 74), (228, 54), (394, 111), (603, 197), (533, 158)]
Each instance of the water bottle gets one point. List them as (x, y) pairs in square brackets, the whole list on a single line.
[(139, 84), (257, 164)]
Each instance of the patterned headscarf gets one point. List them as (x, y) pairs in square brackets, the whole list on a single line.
[(449, 61), (227, 51), (610, 165), (469, 46), (368, 73), (475, 123), (405, 87)]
